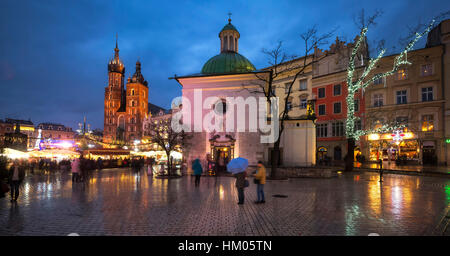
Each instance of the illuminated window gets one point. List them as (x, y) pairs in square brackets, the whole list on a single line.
[(426, 70), (402, 74), (427, 123), (378, 124)]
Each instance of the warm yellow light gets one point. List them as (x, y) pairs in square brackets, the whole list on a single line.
[(374, 136), (408, 135), (25, 128)]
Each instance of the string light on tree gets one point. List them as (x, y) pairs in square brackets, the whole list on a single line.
[(362, 82)]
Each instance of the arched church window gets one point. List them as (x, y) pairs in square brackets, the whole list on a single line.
[(132, 92), (231, 43), (220, 107), (225, 44)]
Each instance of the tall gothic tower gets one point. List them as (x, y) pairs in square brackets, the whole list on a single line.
[(114, 97), (137, 104)]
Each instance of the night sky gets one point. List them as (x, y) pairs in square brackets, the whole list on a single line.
[(54, 54)]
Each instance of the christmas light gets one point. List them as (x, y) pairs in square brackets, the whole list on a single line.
[(363, 82)]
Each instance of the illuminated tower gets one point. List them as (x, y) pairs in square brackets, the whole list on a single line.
[(114, 97), (136, 105)]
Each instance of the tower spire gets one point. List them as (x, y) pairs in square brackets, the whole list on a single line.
[(116, 50), (229, 17)]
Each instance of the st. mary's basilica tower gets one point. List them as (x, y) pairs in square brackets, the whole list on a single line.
[(125, 108)]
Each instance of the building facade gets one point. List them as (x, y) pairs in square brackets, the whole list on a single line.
[(412, 97), (229, 75), (54, 131), (440, 36), (125, 108), (329, 89)]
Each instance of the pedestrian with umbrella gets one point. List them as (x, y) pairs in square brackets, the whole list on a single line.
[(197, 167), (238, 166)]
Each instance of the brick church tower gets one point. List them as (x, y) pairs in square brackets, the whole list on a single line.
[(114, 99), (136, 105), (125, 108)]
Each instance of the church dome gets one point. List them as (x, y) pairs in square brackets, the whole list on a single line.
[(229, 26), (228, 62)]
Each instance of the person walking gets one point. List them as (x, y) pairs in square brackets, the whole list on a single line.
[(240, 185), (260, 180), (380, 163), (150, 162), (16, 176), (197, 167), (75, 166)]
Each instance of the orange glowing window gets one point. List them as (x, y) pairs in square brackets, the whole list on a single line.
[(427, 123), (402, 74)]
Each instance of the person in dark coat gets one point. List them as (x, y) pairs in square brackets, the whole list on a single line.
[(16, 176), (197, 167), (240, 185), (99, 163)]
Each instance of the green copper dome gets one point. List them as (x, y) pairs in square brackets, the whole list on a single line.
[(229, 26), (228, 62)]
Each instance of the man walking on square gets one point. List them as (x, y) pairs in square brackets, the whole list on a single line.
[(16, 176), (260, 180)]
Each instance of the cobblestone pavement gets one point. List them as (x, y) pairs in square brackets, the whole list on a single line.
[(118, 202), (406, 168)]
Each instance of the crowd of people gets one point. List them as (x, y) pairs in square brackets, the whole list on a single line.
[(12, 173)]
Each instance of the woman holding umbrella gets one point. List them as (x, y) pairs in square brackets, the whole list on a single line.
[(238, 166)]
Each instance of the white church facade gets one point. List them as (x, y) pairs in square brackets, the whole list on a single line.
[(227, 115)]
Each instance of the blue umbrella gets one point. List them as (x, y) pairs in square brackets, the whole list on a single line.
[(237, 165)]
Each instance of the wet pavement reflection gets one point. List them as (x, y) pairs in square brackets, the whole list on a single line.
[(121, 202)]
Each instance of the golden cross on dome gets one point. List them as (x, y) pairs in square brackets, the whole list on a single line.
[(229, 17)]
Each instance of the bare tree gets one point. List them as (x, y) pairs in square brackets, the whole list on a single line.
[(283, 64), (166, 138)]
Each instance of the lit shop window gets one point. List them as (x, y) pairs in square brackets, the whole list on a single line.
[(427, 123)]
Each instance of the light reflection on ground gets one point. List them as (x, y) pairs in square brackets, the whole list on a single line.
[(120, 202)]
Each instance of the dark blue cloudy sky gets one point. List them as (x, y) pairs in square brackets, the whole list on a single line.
[(54, 54)]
